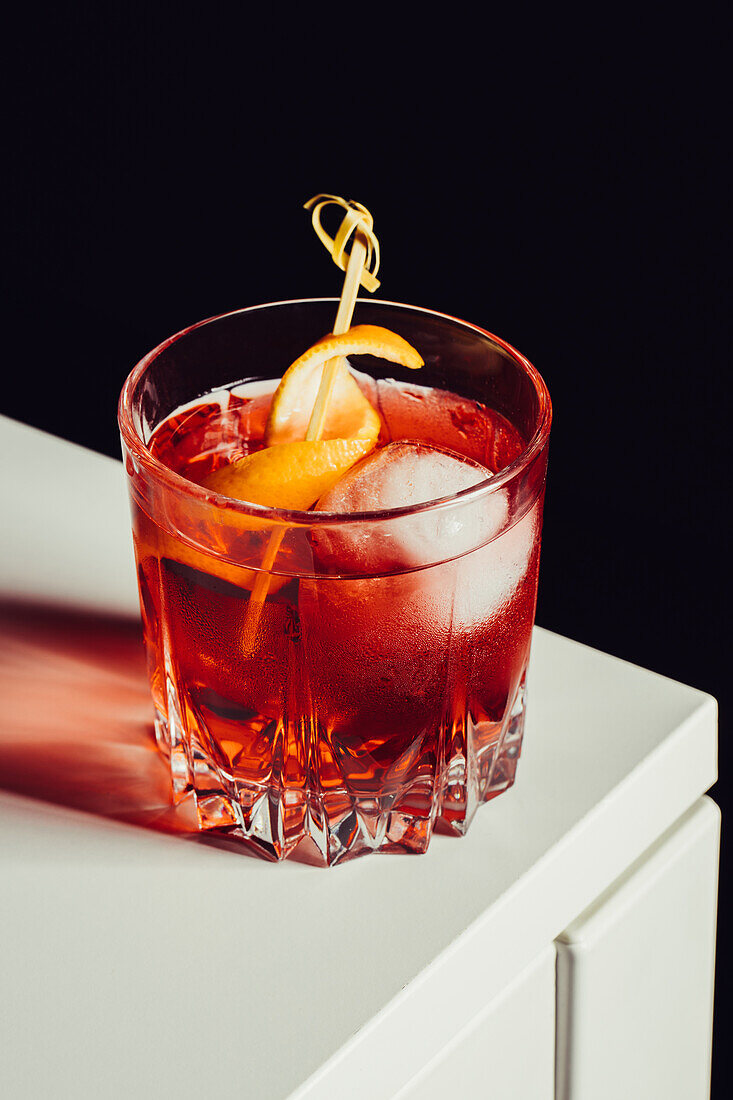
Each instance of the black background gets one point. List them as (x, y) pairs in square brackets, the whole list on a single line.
[(561, 185)]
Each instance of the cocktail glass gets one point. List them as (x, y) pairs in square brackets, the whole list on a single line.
[(379, 693)]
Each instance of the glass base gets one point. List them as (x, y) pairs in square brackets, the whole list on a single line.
[(329, 825)]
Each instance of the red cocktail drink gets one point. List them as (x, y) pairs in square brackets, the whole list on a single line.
[(378, 688)]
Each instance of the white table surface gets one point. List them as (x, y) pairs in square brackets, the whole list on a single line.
[(137, 963)]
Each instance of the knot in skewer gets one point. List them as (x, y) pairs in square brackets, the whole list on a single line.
[(357, 222)]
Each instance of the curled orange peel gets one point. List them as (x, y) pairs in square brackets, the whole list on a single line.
[(349, 414), (356, 218), (291, 475), (292, 472)]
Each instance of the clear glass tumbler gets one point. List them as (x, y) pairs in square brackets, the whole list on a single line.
[(379, 690)]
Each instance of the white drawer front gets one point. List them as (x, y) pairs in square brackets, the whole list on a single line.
[(506, 1052), (635, 975)]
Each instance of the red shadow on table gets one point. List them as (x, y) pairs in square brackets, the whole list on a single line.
[(76, 724)]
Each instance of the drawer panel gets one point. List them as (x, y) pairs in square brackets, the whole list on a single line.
[(635, 975), (506, 1052)]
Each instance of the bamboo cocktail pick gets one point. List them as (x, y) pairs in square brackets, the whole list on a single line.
[(358, 223), (361, 268)]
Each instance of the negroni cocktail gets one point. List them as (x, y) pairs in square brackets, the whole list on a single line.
[(338, 634)]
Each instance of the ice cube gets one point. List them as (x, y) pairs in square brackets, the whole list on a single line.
[(412, 598), (403, 475)]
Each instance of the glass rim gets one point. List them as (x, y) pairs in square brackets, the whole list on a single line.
[(296, 518)]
